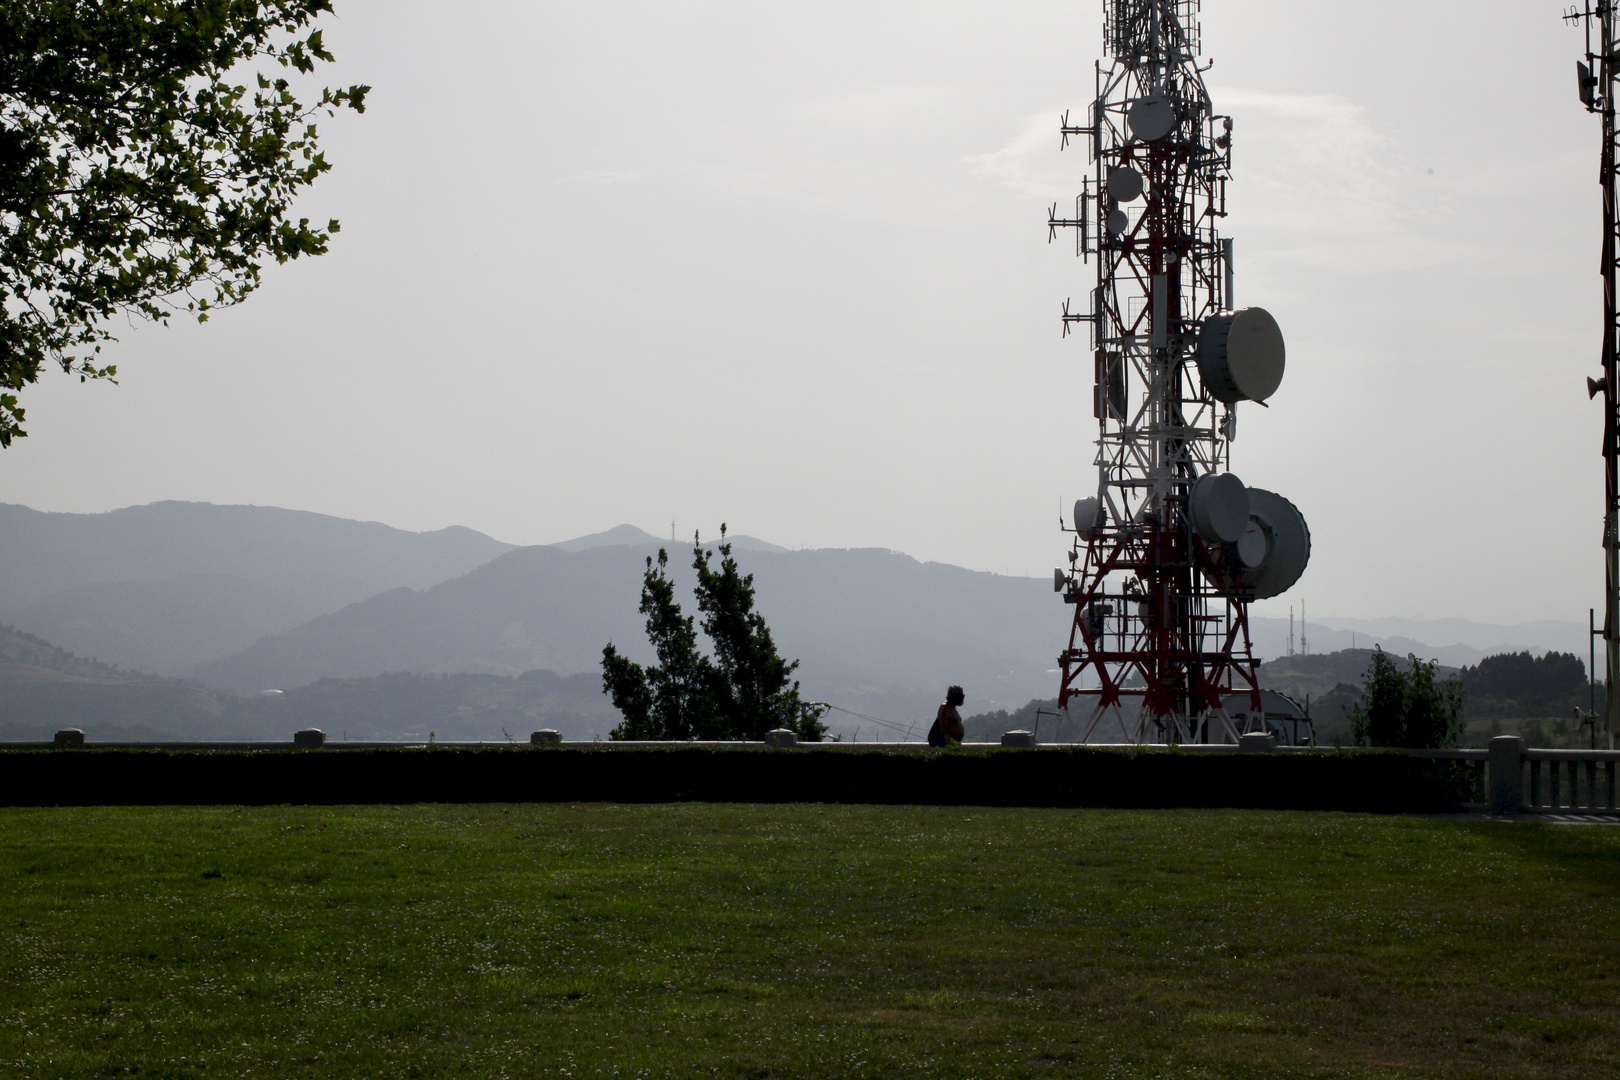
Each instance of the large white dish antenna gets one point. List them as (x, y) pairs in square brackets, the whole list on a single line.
[(1288, 544), (1151, 118), (1125, 184), (1253, 546), (1087, 514), (1219, 504), (1241, 355)]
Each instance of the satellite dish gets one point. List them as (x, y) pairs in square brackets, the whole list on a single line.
[(1277, 706), (1125, 184), (1118, 222), (1151, 118), (1275, 710), (1288, 544), (1087, 514), (1241, 355), (1219, 505)]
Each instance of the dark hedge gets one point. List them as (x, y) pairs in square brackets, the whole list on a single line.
[(1347, 780)]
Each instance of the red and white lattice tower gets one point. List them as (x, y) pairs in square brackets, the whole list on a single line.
[(1172, 548)]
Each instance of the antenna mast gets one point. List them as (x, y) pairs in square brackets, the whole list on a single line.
[(1169, 553), (1595, 80)]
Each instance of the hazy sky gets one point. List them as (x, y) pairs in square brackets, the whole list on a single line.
[(785, 265)]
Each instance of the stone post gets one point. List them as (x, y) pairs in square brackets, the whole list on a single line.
[(545, 737), (69, 739), (781, 737), (309, 739), (1017, 738), (1257, 742), (1506, 769)]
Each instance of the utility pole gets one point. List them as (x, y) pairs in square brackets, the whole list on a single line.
[(1596, 78)]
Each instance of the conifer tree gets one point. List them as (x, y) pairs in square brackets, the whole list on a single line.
[(671, 700), (742, 691), (1410, 708), (756, 691)]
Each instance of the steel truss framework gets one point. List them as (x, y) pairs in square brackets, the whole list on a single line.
[(1160, 637), (1599, 76)]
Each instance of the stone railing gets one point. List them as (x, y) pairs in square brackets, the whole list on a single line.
[(1524, 780), (1463, 774)]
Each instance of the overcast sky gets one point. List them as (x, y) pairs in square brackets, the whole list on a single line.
[(785, 265)]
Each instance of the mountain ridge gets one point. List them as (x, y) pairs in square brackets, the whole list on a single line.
[(874, 629)]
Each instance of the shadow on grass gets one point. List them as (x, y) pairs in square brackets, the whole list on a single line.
[(1585, 852)]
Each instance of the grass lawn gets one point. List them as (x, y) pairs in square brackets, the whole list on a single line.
[(836, 941)]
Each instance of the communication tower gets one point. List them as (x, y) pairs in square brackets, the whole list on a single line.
[(1168, 554), (1596, 79)]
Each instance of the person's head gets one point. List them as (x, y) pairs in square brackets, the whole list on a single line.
[(954, 696)]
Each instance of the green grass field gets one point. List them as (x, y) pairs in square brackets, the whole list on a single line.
[(780, 941)]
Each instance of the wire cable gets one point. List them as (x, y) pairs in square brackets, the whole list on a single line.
[(908, 730)]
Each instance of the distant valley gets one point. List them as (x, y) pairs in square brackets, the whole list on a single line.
[(237, 600)]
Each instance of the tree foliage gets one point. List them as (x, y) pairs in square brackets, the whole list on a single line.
[(1543, 682), (740, 689), (139, 175), (1408, 707)]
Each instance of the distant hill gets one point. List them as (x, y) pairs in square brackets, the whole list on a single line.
[(1270, 636), (252, 598), (164, 586), (28, 660), (630, 536), (876, 630), (170, 585), (49, 553), (1451, 641), (1319, 673), (44, 688)]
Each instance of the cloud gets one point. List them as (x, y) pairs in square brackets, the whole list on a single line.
[(1029, 162), (1316, 185)]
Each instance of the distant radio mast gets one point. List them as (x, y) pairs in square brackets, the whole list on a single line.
[(1595, 79), (1172, 548)]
